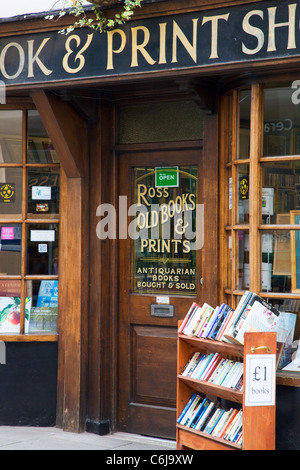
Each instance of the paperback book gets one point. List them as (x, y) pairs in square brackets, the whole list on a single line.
[(252, 314), (210, 417)]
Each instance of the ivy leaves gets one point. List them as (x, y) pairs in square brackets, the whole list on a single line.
[(99, 21)]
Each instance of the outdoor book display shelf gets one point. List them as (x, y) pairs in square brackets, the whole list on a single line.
[(258, 422)]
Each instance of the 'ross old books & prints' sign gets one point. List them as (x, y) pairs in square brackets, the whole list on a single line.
[(256, 31)]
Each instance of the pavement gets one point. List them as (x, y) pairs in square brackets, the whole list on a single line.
[(35, 438)]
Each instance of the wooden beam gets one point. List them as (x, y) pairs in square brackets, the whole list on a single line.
[(56, 117), (69, 135)]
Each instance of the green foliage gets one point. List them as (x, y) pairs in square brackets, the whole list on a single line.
[(99, 20)]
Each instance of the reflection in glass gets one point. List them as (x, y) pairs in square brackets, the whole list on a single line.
[(164, 258), (44, 304), (280, 191), (10, 249), (11, 149), (39, 146), (43, 193), (244, 128), (243, 194), (11, 184), (243, 259), (277, 260), (42, 249), (281, 122)]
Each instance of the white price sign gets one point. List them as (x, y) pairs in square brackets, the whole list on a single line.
[(260, 383)]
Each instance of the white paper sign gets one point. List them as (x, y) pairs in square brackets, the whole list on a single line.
[(41, 193), (260, 383), (43, 248), (163, 300), (42, 235)]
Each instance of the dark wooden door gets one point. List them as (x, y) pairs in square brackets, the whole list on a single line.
[(159, 278)]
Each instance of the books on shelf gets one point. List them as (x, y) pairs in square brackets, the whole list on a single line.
[(222, 323), (207, 416), (215, 369)]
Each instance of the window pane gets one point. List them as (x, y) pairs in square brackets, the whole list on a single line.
[(287, 328), (11, 184), (244, 133), (280, 261), (42, 249), (243, 259), (44, 303), (10, 249), (281, 191), (164, 253), (39, 146), (43, 193), (243, 192), (281, 122), (11, 149), (160, 122)]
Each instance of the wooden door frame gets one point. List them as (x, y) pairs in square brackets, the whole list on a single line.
[(210, 187)]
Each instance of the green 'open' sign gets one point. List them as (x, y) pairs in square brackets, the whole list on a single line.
[(167, 177)]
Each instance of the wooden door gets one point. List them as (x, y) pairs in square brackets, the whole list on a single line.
[(159, 278)]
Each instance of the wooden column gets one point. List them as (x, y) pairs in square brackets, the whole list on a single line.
[(209, 180), (255, 191), (69, 135), (103, 301)]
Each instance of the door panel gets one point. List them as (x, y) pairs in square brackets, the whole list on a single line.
[(154, 371), (156, 272)]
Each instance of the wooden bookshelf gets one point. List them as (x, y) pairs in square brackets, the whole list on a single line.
[(258, 421)]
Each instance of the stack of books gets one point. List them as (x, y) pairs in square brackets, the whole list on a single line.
[(225, 324), (216, 369), (210, 417)]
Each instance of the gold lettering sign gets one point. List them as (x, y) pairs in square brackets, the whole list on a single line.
[(163, 261)]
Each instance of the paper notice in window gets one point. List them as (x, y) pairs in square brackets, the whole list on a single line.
[(41, 193), (42, 235)]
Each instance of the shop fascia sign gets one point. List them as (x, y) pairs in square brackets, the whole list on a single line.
[(244, 33)]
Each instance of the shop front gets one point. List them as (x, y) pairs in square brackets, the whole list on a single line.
[(142, 170)]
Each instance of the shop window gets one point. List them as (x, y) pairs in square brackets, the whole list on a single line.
[(261, 196), (29, 226)]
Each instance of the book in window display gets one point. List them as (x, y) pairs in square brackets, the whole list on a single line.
[(43, 316), (10, 313)]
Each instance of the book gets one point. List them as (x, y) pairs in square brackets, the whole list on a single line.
[(232, 414), (211, 322), (193, 397), (204, 405), (239, 311), (189, 367), (188, 317), (190, 404), (209, 312), (48, 294), (192, 323), (221, 318), (196, 374), (225, 324), (261, 317), (10, 314), (211, 367)]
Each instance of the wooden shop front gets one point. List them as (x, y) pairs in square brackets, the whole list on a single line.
[(156, 165)]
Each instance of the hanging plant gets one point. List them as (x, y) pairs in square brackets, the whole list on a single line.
[(99, 21)]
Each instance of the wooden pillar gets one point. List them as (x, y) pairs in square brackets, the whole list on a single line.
[(103, 301), (209, 179), (69, 135)]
